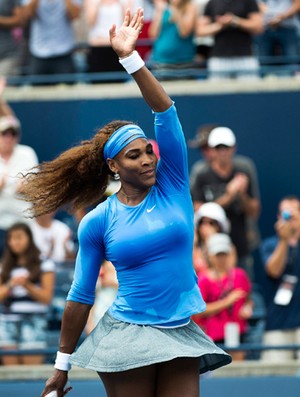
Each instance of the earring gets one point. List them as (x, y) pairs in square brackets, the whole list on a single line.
[(116, 176)]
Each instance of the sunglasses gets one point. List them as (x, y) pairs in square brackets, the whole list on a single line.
[(207, 221), (10, 131)]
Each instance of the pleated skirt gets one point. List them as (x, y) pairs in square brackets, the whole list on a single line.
[(115, 346)]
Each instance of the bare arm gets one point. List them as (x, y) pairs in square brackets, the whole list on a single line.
[(253, 24), (185, 19), (73, 322), (290, 12), (206, 27), (90, 11), (155, 26), (15, 20), (44, 292), (5, 109), (216, 307), (276, 264), (73, 10), (29, 11), (123, 43)]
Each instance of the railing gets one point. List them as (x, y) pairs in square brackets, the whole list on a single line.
[(275, 66)]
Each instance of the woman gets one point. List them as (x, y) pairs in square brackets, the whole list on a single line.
[(209, 219), (26, 289), (145, 344), (172, 29), (100, 15)]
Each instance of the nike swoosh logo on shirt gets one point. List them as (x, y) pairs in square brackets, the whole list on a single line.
[(151, 209)]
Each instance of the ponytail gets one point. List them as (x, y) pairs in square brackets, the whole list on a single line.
[(77, 178)]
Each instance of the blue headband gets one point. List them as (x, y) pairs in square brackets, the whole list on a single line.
[(121, 138)]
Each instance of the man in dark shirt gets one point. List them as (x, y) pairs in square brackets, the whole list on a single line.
[(230, 185), (233, 24)]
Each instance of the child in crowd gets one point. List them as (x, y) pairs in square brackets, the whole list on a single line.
[(26, 289), (225, 290)]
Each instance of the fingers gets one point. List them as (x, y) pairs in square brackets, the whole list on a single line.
[(112, 31), (127, 17), (67, 390), (137, 20)]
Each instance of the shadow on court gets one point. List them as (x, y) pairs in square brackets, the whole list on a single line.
[(210, 387)]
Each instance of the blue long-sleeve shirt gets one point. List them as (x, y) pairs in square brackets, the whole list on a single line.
[(150, 244)]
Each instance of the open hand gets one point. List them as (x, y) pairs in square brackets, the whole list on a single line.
[(124, 40)]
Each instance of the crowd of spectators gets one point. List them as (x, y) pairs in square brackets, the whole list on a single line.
[(225, 39), (224, 184)]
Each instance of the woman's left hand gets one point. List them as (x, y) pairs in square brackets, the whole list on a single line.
[(124, 40)]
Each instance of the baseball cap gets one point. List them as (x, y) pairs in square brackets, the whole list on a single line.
[(213, 211), (201, 137), (9, 122), (221, 136), (219, 243)]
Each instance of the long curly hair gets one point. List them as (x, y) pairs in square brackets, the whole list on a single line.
[(75, 179), (9, 260)]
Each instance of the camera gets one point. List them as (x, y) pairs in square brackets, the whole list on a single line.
[(286, 215)]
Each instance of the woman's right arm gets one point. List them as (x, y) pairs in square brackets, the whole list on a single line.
[(81, 295), (73, 322)]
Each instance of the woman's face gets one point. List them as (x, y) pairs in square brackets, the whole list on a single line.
[(136, 164), (208, 227), (220, 261), (18, 241)]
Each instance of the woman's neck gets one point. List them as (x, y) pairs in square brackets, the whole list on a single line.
[(132, 197)]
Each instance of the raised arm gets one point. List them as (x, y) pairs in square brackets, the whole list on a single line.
[(14, 20), (73, 10), (5, 109), (124, 42)]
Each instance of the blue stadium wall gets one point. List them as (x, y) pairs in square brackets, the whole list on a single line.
[(267, 126)]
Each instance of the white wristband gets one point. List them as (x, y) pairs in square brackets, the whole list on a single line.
[(132, 63), (62, 361)]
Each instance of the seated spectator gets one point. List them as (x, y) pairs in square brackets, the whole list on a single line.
[(233, 25), (209, 219), (26, 289), (51, 40), (280, 36), (10, 19), (172, 30), (100, 15), (14, 159), (280, 255), (225, 290), (53, 238)]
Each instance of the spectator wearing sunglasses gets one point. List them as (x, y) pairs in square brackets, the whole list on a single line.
[(14, 159), (232, 187), (209, 219)]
